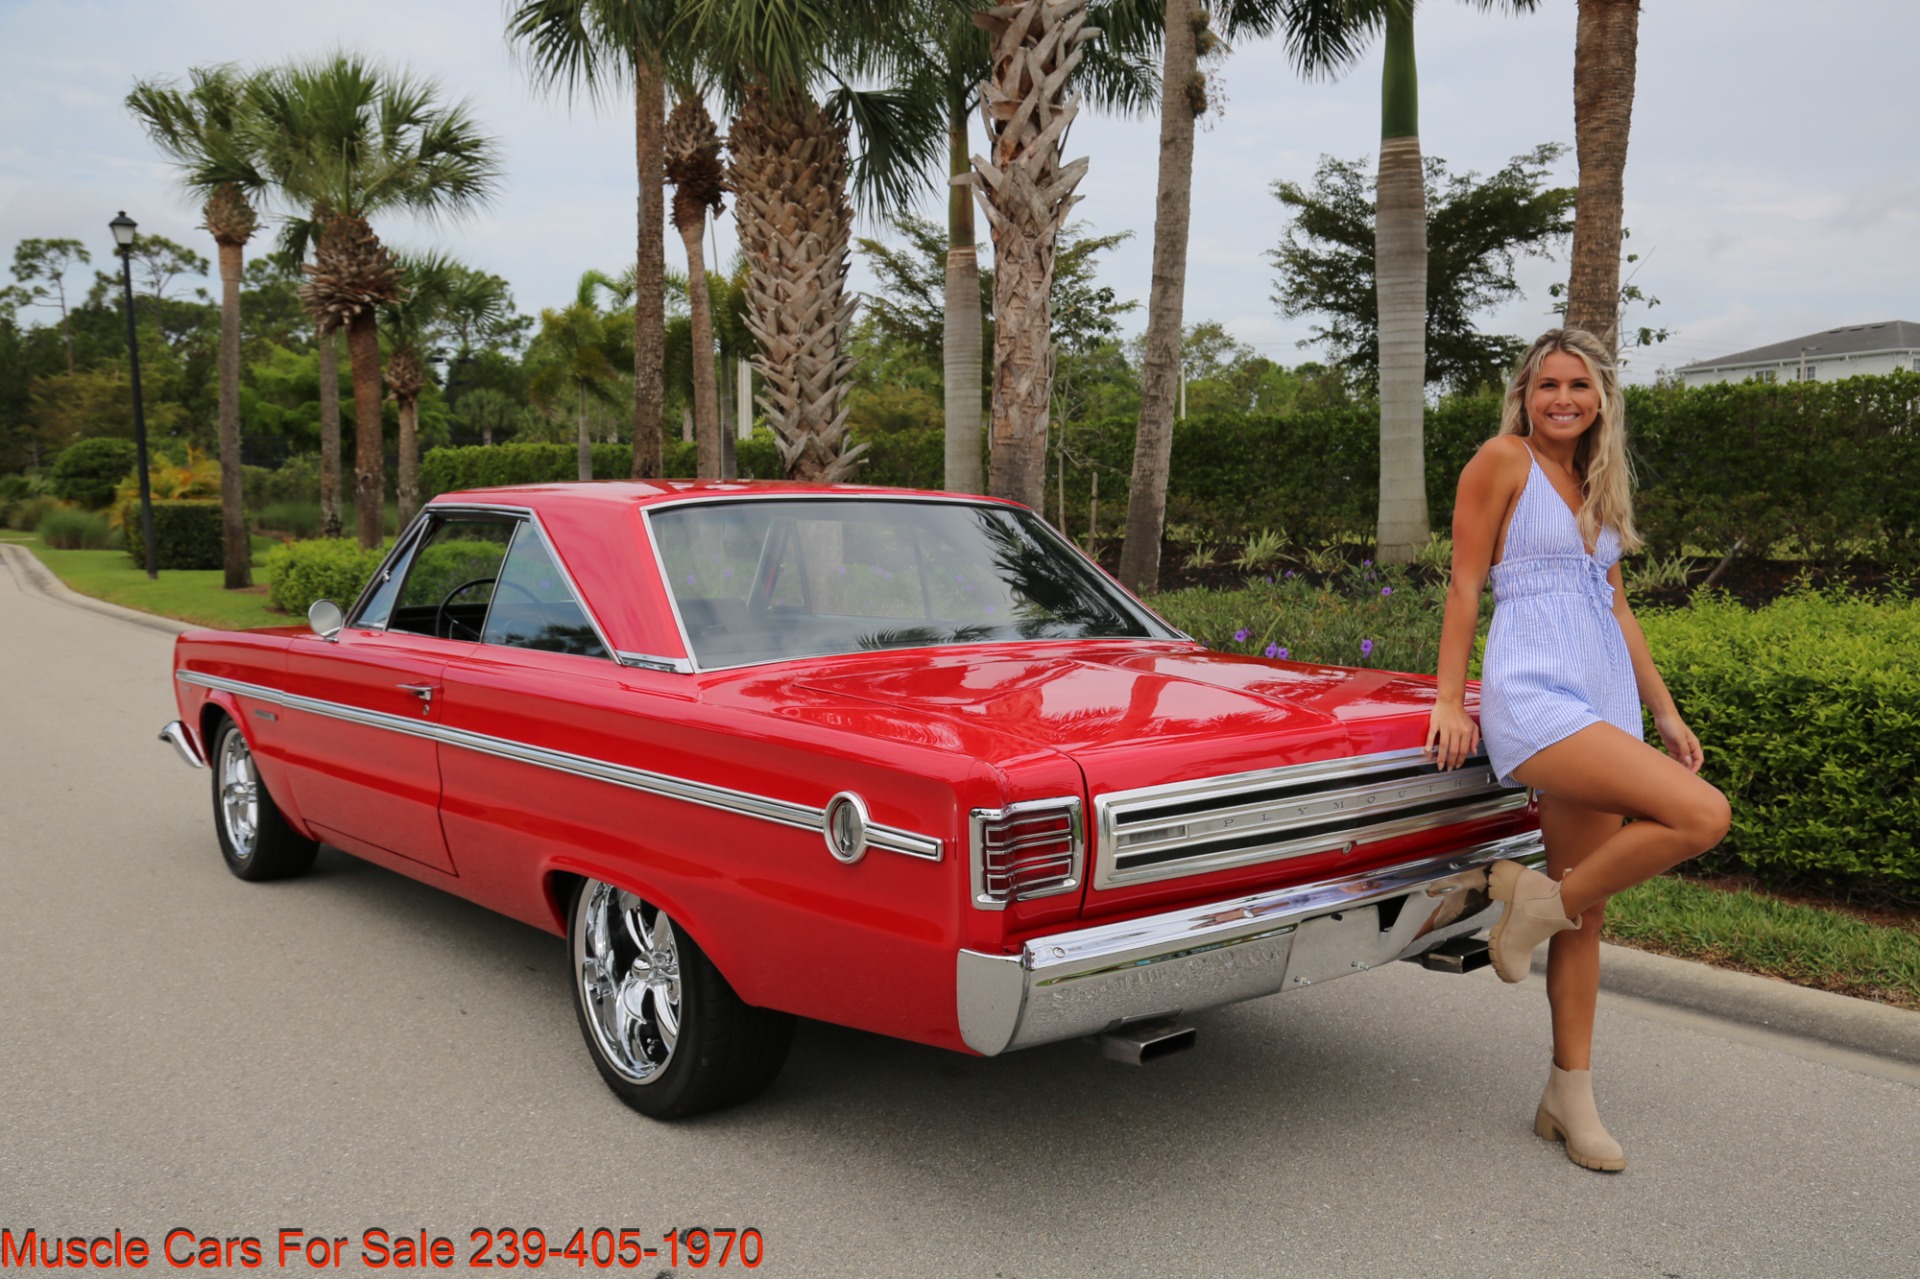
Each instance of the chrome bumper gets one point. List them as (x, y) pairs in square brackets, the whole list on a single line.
[(182, 741), (1096, 979)]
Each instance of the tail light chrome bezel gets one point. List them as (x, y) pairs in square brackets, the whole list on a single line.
[(979, 826)]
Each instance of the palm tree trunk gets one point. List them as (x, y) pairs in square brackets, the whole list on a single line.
[(650, 274), (692, 222), (237, 557), (369, 443), (327, 345), (585, 443), (1026, 194), (1604, 60), (409, 478), (1400, 265), (961, 339), (1182, 98)]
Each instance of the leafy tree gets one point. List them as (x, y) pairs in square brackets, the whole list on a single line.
[(40, 267), (158, 262), (577, 354), (1477, 231), (87, 472)]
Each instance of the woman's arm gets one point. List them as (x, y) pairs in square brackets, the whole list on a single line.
[(1488, 487), (1674, 733)]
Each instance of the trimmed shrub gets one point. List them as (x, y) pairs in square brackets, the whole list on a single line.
[(186, 534), (87, 473), (1809, 709), (331, 568), (75, 530), (26, 514)]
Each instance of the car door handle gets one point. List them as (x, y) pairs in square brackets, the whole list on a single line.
[(422, 691)]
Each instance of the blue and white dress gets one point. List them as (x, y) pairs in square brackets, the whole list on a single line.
[(1556, 660)]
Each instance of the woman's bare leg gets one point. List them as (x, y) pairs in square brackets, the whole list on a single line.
[(1573, 831), (1679, 815)]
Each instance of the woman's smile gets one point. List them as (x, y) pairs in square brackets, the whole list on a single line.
[(1564, 401)]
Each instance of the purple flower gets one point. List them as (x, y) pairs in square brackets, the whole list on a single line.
[(1366, 563), (1386, 590), (1240, 636), (1289, 574), (1274, 650), (1269, 579), (1282, 655), (1366, 648)]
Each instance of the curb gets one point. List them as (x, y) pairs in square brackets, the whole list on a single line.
[(1840, 1020), (38, 578)]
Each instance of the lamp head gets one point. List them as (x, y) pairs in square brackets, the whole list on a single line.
[(123, 228)]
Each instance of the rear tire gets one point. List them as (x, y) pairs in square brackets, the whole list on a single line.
[(256, 839), (665, 1030)]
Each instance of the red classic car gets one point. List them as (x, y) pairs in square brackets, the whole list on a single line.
[(907, 762)]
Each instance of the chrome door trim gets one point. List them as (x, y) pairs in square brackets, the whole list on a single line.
[(724, 799)]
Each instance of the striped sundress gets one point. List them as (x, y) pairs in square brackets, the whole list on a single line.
[(1556, 660)]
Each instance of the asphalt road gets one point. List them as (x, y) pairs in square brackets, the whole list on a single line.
[(354, 1051)]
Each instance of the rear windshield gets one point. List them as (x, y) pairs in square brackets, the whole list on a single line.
[(763, 580)]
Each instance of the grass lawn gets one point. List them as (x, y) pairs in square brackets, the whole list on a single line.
[(1806, 945), (195, 596)]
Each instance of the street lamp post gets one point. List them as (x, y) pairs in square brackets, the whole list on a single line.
[(123, 228)]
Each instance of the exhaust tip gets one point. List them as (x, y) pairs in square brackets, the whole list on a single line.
[(1142, 1041), (1461, 955)]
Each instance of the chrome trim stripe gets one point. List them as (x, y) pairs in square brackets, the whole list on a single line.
[(743, 803), (1142, 831), (1084, 980), (176, 734)]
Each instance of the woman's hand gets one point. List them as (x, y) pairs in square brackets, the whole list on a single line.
[(1452, 735), (1680, 741)]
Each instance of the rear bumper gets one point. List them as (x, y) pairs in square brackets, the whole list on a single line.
[(1095, 979)]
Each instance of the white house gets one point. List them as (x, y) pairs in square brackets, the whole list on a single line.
[(1857, 349)]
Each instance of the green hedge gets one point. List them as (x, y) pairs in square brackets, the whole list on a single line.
[(333, 568), (1809, 710), (186, 534), (86, 473), (486, 466)]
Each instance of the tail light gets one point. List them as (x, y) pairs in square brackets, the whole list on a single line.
[(1026, 850)]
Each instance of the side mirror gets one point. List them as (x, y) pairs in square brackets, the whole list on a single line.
[(326, 619)]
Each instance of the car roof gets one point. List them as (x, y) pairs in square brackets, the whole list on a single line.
[(600, 494)]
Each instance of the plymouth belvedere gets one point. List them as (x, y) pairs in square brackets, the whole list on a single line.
[(905, 762)]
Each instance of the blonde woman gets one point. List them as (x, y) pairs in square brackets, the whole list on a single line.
[(1545, 510)]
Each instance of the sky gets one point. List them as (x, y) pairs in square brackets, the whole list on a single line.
[(1772, 188)]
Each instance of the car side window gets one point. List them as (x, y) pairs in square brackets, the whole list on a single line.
[(533, 606), (386, 589), (453, 575)]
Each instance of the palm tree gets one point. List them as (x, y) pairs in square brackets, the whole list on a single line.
[(579, 349), (343, 140), (1606, 47), (198, 129), (596, 45), (692, 148), (436, 288)]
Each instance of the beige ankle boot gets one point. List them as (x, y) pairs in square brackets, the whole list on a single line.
[(1567, 1113), (1533, 913)]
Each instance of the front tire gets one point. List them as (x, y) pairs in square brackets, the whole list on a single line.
[(256, 839), (665, 1030)]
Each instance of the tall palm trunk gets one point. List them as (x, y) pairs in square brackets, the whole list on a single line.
[(585, 442), (1182, 99), (1400, 264), (789, 177), (406, 378), (1604, 59), (650, 274), (692, 149), (369, 453), (1026, 193), (327, 344), (961, 339), (231, 220)]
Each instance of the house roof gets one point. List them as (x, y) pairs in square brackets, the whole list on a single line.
[(1851, 339)]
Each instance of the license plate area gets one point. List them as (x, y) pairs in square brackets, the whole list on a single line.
[(1336, 945)]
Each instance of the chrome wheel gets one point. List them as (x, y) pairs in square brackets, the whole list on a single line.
[(239, 795), (627, 963)]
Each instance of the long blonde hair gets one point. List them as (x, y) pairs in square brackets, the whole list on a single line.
[(1600, 457)]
